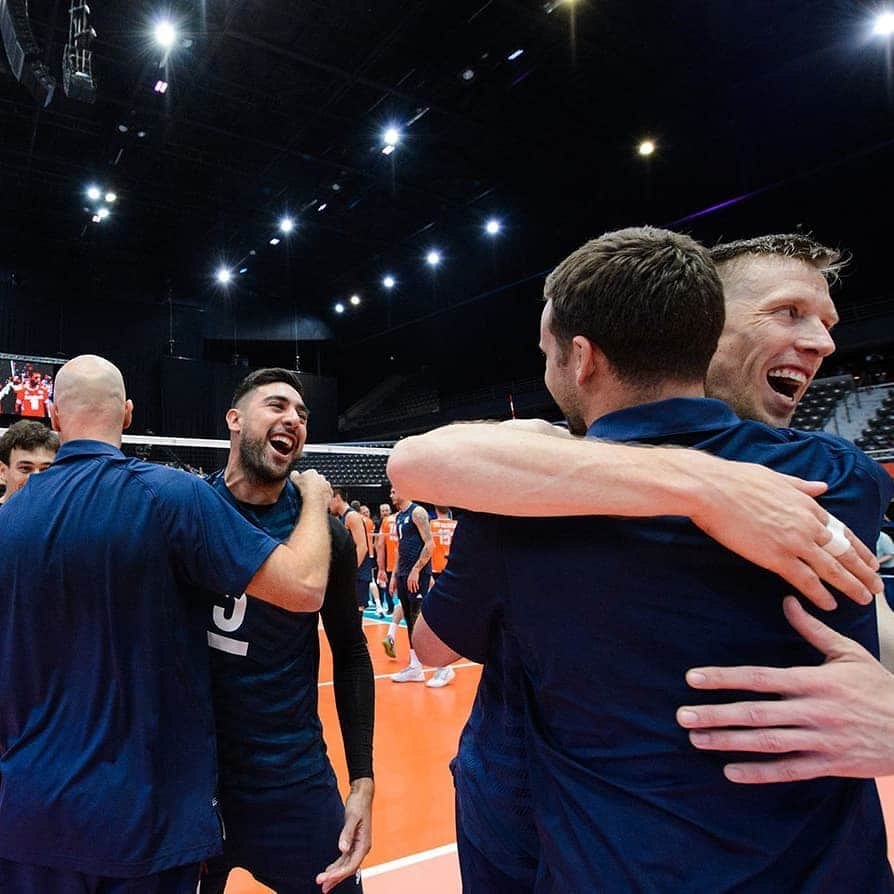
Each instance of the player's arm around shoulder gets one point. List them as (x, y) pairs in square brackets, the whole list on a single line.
[(294, 576)]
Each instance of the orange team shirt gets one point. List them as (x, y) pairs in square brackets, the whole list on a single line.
[(34, 401), (442, 535), (389, 532), (370, 526)]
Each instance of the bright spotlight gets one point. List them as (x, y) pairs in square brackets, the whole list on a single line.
[(514, 55), (493, 227), (111, 197), (884, 24), (389, 282), (102, 213), (323, 206), (223, 275), (339, 308), (646, 148), (165, 34), (161, 87), (274, 240), (94, 193), (433, 258), (387, 150), (286, 225), (391, 136), (355, 300)]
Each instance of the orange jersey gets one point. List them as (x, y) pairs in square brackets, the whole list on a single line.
[(370, 526), (442, 534), (34, 401), (388, 530)]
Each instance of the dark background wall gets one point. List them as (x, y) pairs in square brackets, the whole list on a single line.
[(185, 394)]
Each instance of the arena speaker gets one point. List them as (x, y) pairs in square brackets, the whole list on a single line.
[(23, 53)]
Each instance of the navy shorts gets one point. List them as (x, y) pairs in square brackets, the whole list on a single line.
[(23, 878), (283, 837)]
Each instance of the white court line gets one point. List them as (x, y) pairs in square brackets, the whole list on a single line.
[(388, 676), (403, 862)]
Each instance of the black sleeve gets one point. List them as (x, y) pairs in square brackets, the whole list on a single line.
[(352, 670)]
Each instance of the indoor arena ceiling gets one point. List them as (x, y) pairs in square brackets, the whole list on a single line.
[(278, 107)]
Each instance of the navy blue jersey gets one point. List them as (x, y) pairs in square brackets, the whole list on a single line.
[(106, 732), (265, 668), (409, 541), (620, 798)]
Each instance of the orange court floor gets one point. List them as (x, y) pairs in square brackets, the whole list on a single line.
[(417, 729)]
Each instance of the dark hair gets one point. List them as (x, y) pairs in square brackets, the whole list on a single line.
[(800, 246), (650, 299), (27, 435), (266, 377), (340, 492)]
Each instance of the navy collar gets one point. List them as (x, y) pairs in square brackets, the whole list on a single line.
[(662, 419), (84, 447)]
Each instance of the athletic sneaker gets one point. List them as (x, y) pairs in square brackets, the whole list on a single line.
[(441, 677), (409, 675), (388, 646)]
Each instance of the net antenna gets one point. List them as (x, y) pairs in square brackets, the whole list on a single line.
[(77, 59)]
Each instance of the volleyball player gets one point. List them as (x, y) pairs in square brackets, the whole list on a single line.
[(442, 527), (370, 527), (284, 817), (353, 521), (492, 683), (412, 570), (26, 448), (107, 765)]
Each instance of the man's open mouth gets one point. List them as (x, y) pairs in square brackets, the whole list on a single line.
[(282, 444), (786, 380)]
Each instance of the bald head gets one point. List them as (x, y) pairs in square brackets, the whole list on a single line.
[(89, 400)]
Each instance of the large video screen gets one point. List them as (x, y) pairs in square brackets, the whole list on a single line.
[(26, 385)]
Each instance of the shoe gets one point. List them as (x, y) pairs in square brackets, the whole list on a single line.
[(409, 675), (388, 646), (441, 677)]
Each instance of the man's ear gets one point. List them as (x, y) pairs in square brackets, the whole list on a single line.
[(3, 469), (54, 418), (234, 420), (588, 359), (128, 415)]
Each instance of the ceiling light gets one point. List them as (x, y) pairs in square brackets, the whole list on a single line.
[(111, 197), (161, 86), (355, 300), (884, 24), (274, 240), (165, 34), (141, 134), (286, 225), (387, 150), (339, 308), (122, 128), (389, 282), (223, 275), (433, 258), (94, 193), (515, 54), (646, 148), (102, 213), (493, 227), (391, 136), (322, 207), (243, 270)]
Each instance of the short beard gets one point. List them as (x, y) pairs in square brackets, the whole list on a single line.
[(251, 458)]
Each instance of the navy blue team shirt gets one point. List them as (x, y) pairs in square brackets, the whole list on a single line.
[(265, 668), (620, 799), (107, 753), (410, 542)]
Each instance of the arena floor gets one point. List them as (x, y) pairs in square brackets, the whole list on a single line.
[(417, 728)]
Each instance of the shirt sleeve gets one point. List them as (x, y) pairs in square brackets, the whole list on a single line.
[(214, 547), (467, 601), (352, 670)]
